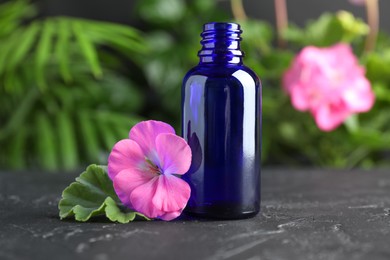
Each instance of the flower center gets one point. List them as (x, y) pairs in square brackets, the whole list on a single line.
[(153, 168)]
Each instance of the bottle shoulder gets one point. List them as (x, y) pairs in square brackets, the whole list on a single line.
[(219, 72)]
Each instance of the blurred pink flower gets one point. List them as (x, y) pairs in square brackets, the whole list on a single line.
[(143, 170), (330, 83)]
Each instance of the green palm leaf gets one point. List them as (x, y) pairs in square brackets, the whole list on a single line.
[(12, 83), (6, 49), (43, 53), (26, 41), (67, 141), (90, 141), (12, 13), (123, 37), (46, 143), (70, 131), (18, 117), (62, 49), (16, 157), (107, 133), (87, 48)]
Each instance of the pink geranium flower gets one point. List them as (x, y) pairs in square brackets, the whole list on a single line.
[(143, 169), (330, 83)]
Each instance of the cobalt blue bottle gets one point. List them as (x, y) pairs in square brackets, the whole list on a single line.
[(221, 121)]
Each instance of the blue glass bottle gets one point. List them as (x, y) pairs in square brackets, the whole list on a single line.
[(221, 121)]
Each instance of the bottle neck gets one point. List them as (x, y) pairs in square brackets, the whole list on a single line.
[(221, 44)]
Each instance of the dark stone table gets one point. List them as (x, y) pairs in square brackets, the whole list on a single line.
[(305, 214)]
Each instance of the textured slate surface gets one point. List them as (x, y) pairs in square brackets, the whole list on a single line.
[(306, 214)]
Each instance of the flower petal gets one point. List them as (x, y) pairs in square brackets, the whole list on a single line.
[(174, 154), (145, 134), (171, 215), (360, 97), (126, 154), (329, 117), (299, 98), (126, 181), (172, 194), (141, 198)]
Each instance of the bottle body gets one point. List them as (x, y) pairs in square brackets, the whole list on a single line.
[(221, 121)]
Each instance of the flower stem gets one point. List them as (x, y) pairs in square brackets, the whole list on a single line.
[(238, 10), (281, 20), (372, 8)]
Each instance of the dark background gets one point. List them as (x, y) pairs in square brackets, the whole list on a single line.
[(123, 11)]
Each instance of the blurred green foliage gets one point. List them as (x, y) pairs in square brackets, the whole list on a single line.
[(173, 37), (64, 100), (70, 88)]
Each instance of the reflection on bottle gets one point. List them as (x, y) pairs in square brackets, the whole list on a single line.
[(197, 157), (193, 142)]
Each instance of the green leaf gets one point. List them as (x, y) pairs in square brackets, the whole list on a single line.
[(275, 63), (87, 48), (89, 136), (62, 49), (203, 5), (6, 49), (160, 41), (46, 143), (67, 141), (382, 91), (123, 43), (325, 31), (18, 117), (328, 29), (378, 65), (353, 27), (43, 53), (126, 39), (17, 150), (26, 41), (13, 82), (294, 34), (106, 132), (352, 123), (371, 139), (65, 96), (257, 34), (93, 195), (12, 13), (118, 29)]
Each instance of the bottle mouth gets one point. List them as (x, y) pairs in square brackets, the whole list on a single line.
[(220, 42), (218, 31), (216, 26)]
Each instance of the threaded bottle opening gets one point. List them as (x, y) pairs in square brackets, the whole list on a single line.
[(221, 43)]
